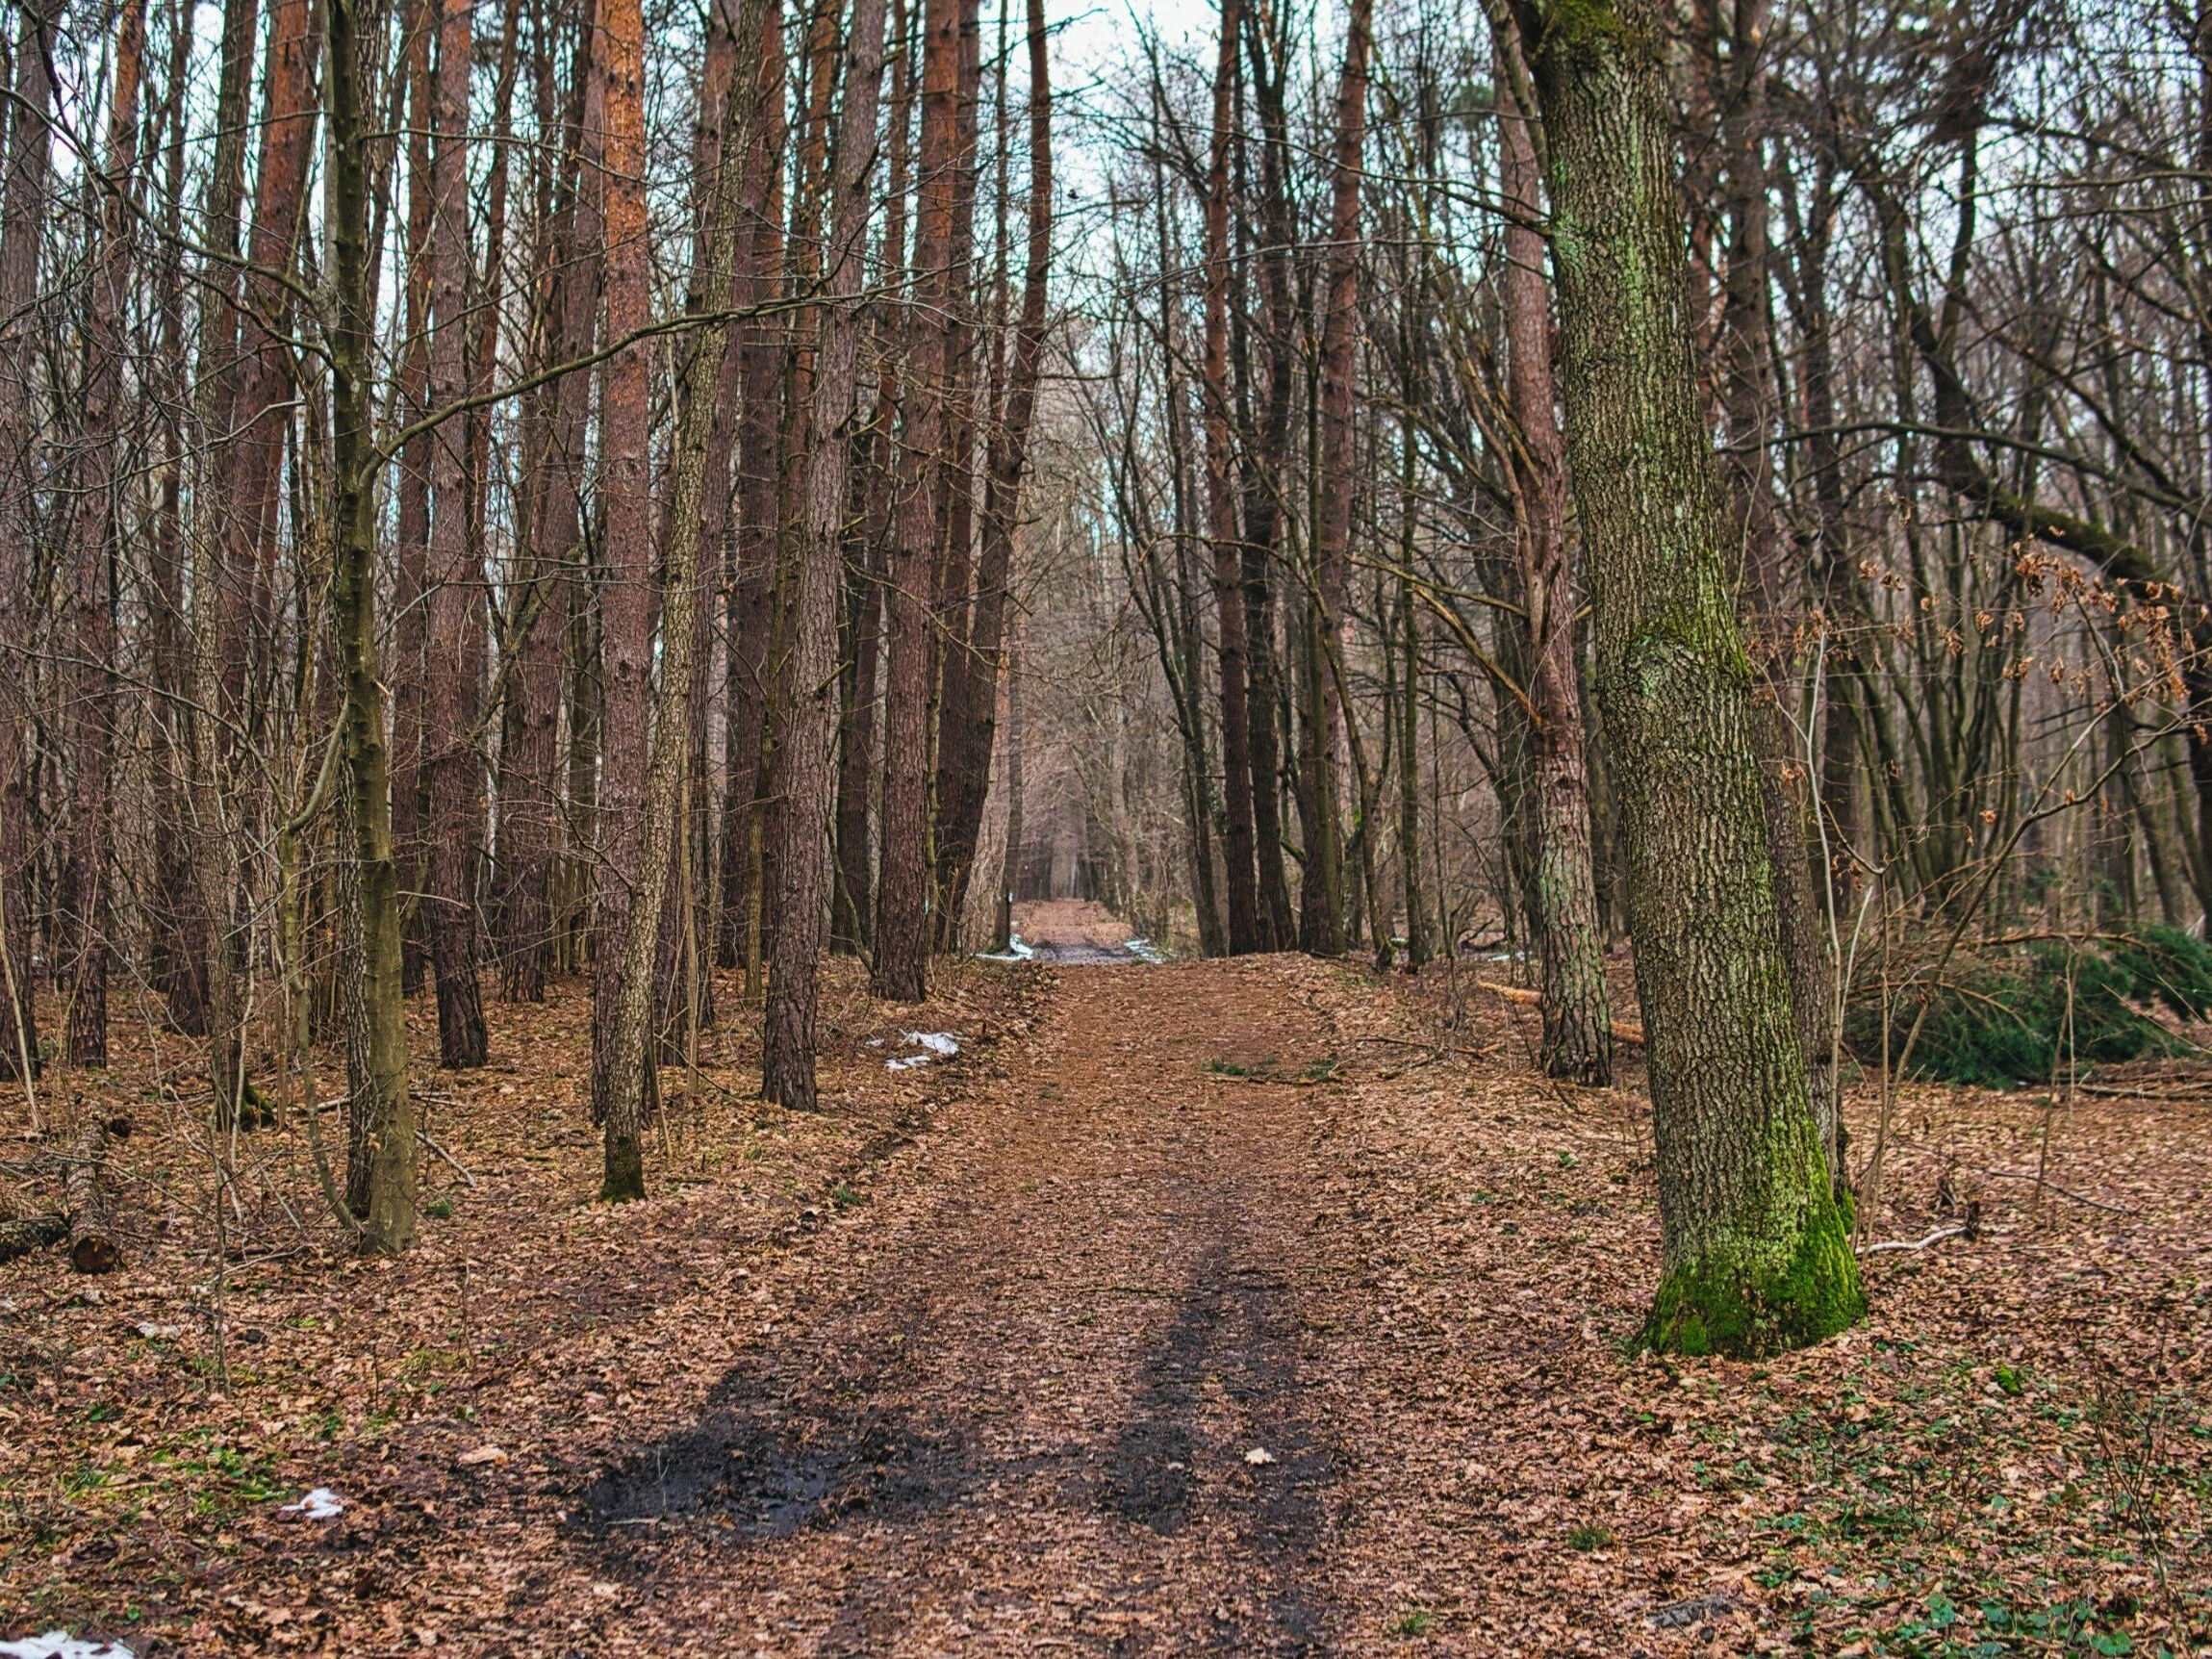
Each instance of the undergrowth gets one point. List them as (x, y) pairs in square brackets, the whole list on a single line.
[(2001, 1021)]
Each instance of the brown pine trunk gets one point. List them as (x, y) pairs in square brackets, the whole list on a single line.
[(456, 596), (759, 472), (630, 1067), (802, 859), (1335, 489), (1263, 477), (99, 547), (1222, 533), (1560, 884), (529, 793), (971, 717), (1010, 867), (851, 911), (626, 594), (410, 600), (901, 969), (29, 156)]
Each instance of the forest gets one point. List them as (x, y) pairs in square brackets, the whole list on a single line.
[(1277, 826)]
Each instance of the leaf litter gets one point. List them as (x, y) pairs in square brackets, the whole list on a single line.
[(984, 1356)]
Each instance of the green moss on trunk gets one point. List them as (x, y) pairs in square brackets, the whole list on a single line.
[(1745, 1306)]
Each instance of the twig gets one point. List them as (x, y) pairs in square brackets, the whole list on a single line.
[(1434, 1048), (2062, 1191), (1922, 1244), (423, 1136)]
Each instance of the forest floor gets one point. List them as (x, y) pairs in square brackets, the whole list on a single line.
[(1231, 1307)]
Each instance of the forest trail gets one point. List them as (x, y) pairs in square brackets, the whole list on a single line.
[(1053, 1393)]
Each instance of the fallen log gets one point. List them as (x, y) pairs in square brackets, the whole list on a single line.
[(92, 1247), (1623, 1031)]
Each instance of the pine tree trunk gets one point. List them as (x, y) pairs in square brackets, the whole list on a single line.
[(454, 671), (970, 719), (1264, 478), (1242, 869), (1756, 1252), (99, 547), (900, 968), (803, 859), (28, 166), (630, 1060), (627, 595), (759, 468), (1335, 487)]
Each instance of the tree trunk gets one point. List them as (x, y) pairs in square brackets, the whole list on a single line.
[(1561, 887), (971, 719), (760, 471), (627, 595), (1756, 1252), (92, 1244), (99, 547), (456, 633), (529, 794), (802, 856), (29, 156), (1336, 486), (379, 1098), (1748, 402), (630, 1058), (1242, 869), (901, 969), (1264, 479)]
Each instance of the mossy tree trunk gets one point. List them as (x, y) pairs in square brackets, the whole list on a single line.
[(1561, 882), (1756, 1249)]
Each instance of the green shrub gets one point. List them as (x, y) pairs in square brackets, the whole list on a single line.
[(2001, 1021)]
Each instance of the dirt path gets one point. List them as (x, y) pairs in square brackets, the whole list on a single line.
[(1061, 1401)]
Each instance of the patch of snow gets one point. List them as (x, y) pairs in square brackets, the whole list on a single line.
[(61, 1645), (320, 1504), (935, 1045), (1017, 950), (1145, 950), (1259, 1456)]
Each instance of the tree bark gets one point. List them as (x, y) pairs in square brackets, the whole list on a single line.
[(971, 718), (1242, 869), (379, 1098), (1263, 481), (626, 593), (630, 1058), (803, 859), (28, 164), (1335, 487), (901, 969), (99, 547), (456, 593), (529, 794), (1561, 886), (1756, 1252)]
